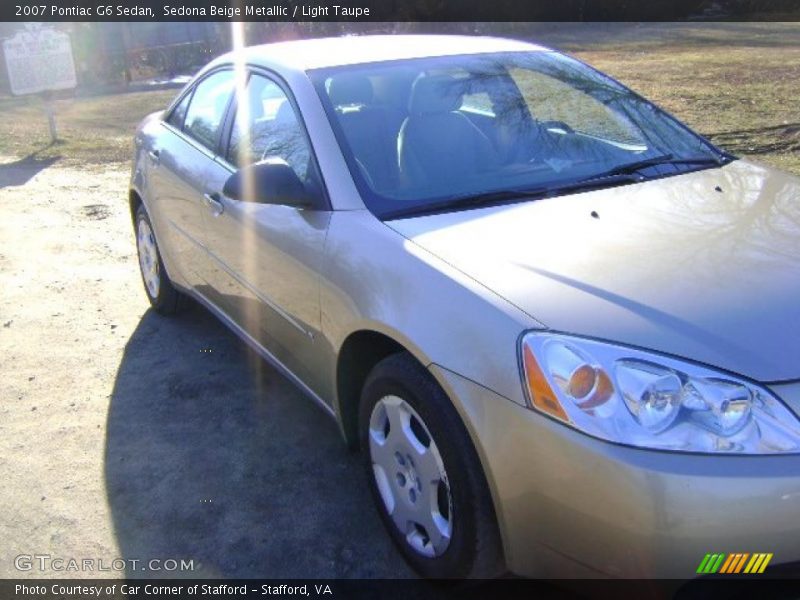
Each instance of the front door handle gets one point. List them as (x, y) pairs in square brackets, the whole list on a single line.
[(154, 156), (214, 202)]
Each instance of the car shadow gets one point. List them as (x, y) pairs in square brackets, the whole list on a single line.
[(20, 172), (213, 457)]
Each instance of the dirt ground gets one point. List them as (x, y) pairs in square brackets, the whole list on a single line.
[(127, 435)]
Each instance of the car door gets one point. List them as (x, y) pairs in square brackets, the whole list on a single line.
[(266, 258), (180, 161)]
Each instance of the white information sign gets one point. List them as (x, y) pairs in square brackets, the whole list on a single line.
[(39, 59)]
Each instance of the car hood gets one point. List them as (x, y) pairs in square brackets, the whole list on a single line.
[(703, 265)]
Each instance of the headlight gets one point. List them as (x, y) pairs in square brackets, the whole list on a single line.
[(641, 399)]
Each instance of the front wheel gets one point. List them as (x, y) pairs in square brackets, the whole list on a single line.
[(425, 475), (163, 296)]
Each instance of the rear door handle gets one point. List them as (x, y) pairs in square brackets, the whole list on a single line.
[(154, 156), (214, 202)]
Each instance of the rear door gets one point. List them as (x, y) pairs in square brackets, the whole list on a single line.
[(180, 163), (267, 258)]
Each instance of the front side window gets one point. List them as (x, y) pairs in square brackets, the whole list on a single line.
[(207, 108), (418, 133), (267, 127), (178, 114)]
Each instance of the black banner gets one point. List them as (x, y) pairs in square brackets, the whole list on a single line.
[(740, 587), (397, 10)]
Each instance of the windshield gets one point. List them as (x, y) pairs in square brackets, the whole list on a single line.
[(423, 134)]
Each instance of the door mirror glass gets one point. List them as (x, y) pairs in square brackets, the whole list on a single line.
[(270, 181)]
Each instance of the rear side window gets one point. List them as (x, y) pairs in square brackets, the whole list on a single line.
[(178, 114), (207, 108)]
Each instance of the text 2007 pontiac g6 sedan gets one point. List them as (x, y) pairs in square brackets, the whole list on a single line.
[(562, 328)]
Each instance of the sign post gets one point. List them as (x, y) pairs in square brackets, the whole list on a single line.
[(51, 116), (39, 60)]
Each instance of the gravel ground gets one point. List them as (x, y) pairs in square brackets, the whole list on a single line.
[(124, 434)]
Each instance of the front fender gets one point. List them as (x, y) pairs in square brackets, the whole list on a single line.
[(374, 279)]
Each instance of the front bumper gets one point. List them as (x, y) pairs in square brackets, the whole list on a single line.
[(571, 506)]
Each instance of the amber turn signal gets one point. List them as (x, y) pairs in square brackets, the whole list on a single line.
[(541, 394)]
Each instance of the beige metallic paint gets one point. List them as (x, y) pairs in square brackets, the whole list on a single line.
[(671, 265)]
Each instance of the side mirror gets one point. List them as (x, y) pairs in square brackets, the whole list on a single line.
[(270, 181)]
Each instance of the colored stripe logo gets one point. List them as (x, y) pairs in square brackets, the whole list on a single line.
[(738, 562)]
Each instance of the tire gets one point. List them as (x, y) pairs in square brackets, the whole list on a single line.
[(163, 296), (402, 405)]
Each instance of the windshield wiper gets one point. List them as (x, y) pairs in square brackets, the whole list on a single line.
[(664, 159), (629, 173), (470, 201), (621, 174), (504, 196)]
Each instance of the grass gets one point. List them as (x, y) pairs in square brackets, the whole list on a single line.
[(736, 83), (93, 130)]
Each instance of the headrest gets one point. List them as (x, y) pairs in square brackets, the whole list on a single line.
[(435, 94), (346, 90), (285, 113)]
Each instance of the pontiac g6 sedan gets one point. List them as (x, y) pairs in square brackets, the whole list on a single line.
[(562, 328)]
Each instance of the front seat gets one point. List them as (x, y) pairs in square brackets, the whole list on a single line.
[(367, 128), (438, 144)]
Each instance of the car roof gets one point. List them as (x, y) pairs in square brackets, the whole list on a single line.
[(303, 55)]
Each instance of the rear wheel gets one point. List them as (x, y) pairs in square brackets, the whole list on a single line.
[(163, 296), (425, 475)]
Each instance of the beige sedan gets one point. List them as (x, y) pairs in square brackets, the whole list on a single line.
[(562, 328)]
